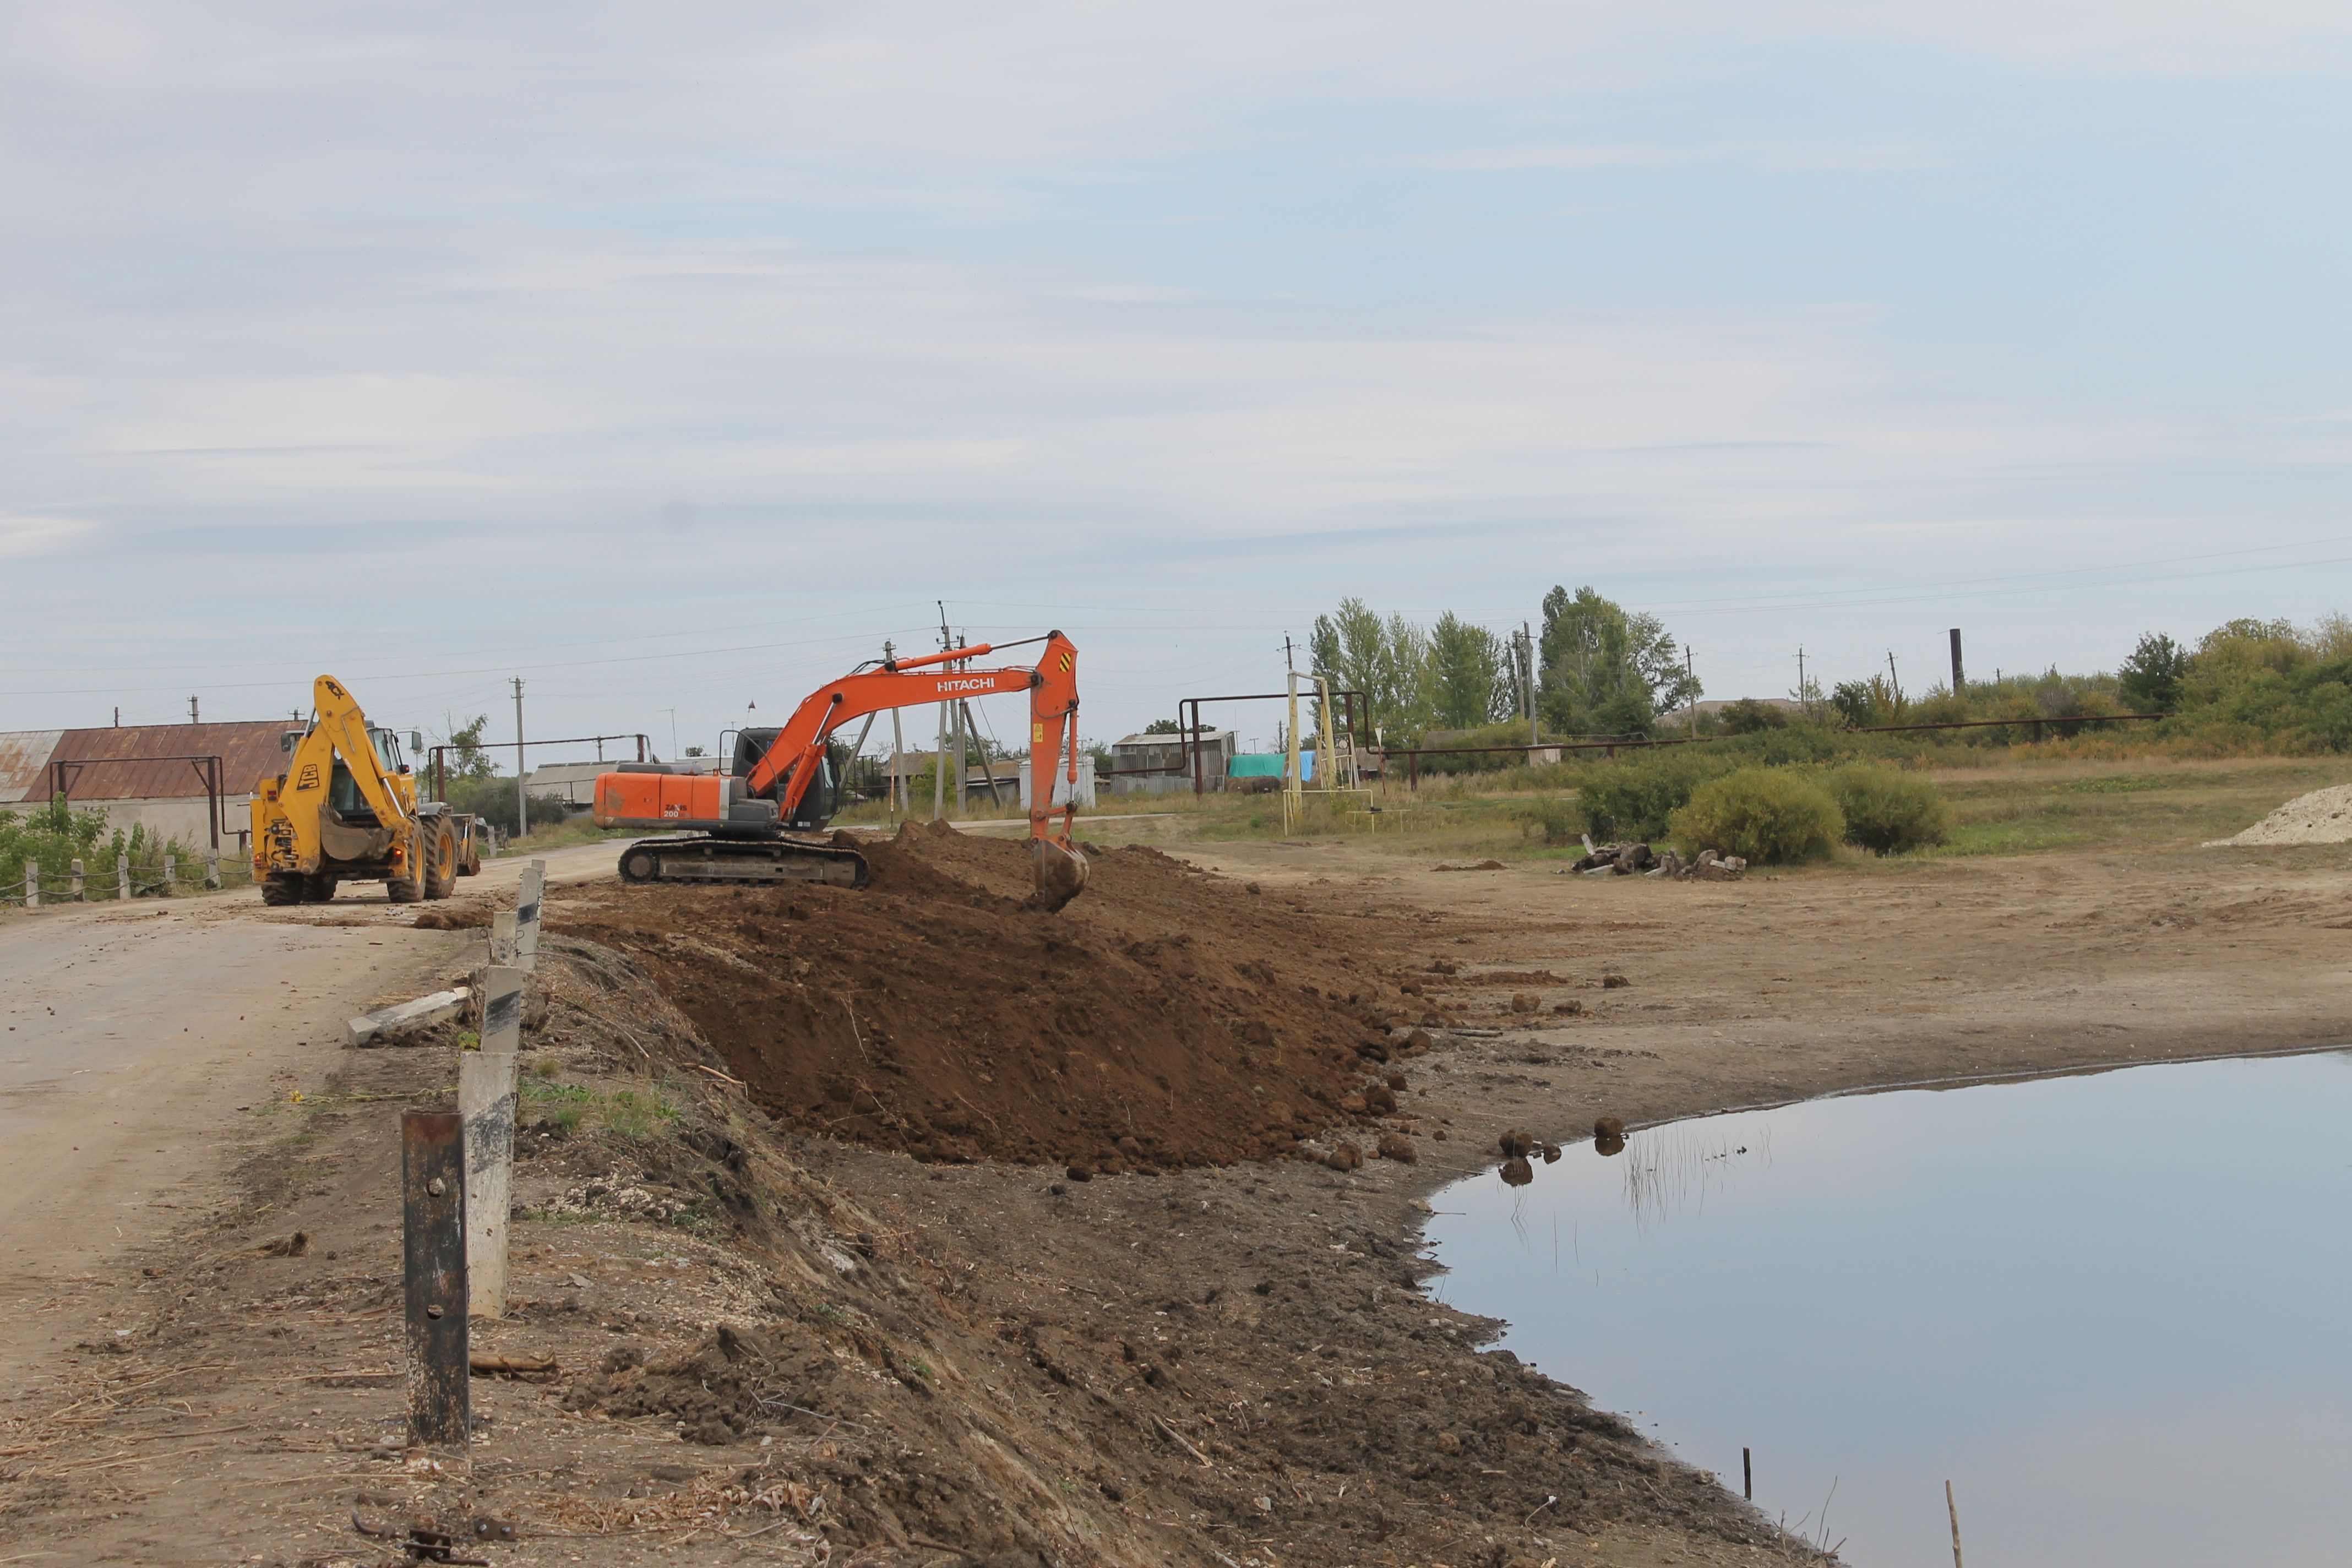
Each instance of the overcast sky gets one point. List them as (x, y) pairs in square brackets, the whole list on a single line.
[(673, 357)]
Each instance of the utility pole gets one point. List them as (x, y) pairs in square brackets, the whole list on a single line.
[(1527, 678), (963, 734), (1804, 693), (1956, 661), (118, 718), (522, 801), (1690, 667), (940, 762), (673, 733), (191, 713), (1893, 680), (897, 740)]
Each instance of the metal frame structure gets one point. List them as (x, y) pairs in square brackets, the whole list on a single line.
[(1188, 759), (440, 770), (208, 766)]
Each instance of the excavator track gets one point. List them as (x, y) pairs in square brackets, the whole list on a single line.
[(697, 857)]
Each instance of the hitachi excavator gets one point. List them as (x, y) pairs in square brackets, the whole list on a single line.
[(737, 826), (345, 810)]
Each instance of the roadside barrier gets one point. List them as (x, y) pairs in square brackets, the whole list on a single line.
[(146, 879)]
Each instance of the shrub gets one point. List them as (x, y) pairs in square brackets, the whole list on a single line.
[(1768, 815), (1555, 818), (1635, 797), (1889, 812)]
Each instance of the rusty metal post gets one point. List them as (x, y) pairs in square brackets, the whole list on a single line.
[(1412, 768), (432, 1212)]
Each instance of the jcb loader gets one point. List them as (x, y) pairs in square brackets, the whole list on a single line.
[(345, 810)]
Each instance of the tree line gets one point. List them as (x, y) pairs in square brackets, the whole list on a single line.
[(1598, 668)]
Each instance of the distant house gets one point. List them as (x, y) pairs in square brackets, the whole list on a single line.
[(188, 782), (1161, 763)]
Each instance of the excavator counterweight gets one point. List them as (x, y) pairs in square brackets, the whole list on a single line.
[(751, 822)]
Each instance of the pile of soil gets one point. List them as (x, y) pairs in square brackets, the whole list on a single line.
[(1170, 1018), (2323, 816)]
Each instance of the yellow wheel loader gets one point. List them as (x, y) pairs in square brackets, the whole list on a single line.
[(345, 810)]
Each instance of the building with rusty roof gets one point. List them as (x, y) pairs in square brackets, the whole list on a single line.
[(189, 782)]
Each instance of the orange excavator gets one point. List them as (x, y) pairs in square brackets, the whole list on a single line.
[(738, 824)]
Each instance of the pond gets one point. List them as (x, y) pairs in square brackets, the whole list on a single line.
[(2114, 1310)]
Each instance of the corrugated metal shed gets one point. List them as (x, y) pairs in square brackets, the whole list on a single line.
[(24, 757), (123, 765)]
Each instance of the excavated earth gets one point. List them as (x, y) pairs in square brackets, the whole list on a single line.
[(1172, 1019)]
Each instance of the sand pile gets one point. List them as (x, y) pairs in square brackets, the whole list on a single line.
[(2323, 816), (1170, 1018)]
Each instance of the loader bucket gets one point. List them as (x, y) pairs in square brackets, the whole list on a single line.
[(1061, 874)]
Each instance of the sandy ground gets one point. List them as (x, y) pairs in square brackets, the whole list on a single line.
[(1220, 1366), (133, 1036)]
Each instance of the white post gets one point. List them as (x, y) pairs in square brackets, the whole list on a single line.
[(528, 899), (212, 869), (502, 1009), (171, 874), (122, 876), (32, 883), (502, 937), (78, 894), (486, 1100)]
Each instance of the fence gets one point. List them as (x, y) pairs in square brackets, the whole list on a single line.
[(148, 880), (1612, 746)]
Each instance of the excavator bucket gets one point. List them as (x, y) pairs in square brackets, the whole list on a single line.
[(1061, 874)]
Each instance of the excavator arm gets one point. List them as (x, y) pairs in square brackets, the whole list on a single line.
[(789, 765), (785, 771)]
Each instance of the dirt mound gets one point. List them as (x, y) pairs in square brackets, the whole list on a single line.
[(1166, 1019), (2323, 816)]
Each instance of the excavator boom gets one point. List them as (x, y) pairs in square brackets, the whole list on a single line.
[(745, 816)]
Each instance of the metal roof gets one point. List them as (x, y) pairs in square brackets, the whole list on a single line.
[(23, 753), (122, 763)]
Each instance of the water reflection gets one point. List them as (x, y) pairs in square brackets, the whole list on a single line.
[(2110, 1309)]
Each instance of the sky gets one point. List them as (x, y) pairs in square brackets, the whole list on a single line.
[(671, 359)]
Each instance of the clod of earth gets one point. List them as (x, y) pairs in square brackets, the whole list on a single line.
[(1514, 1144), (1608, 1127), (1613, 982)]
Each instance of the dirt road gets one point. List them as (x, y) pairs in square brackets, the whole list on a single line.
[(132, 1036)]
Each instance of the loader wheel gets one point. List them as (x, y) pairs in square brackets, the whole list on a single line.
[(319, 888), (441, 865), (280, 889), (639, 865), (403, 891)]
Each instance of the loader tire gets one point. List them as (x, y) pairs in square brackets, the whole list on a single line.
[(402, 890), (319, 888), (441, 864), (280, 889)]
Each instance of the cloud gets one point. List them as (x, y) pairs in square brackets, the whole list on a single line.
[(1778, 157), (22, 538)]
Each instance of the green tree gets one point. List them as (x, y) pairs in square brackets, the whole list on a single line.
[(1388, 661), (1606, 671), (468, 758), (2150, 678), (1163, 727), (1469, 674)]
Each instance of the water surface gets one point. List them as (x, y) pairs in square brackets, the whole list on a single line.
[(2115, 1310)]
